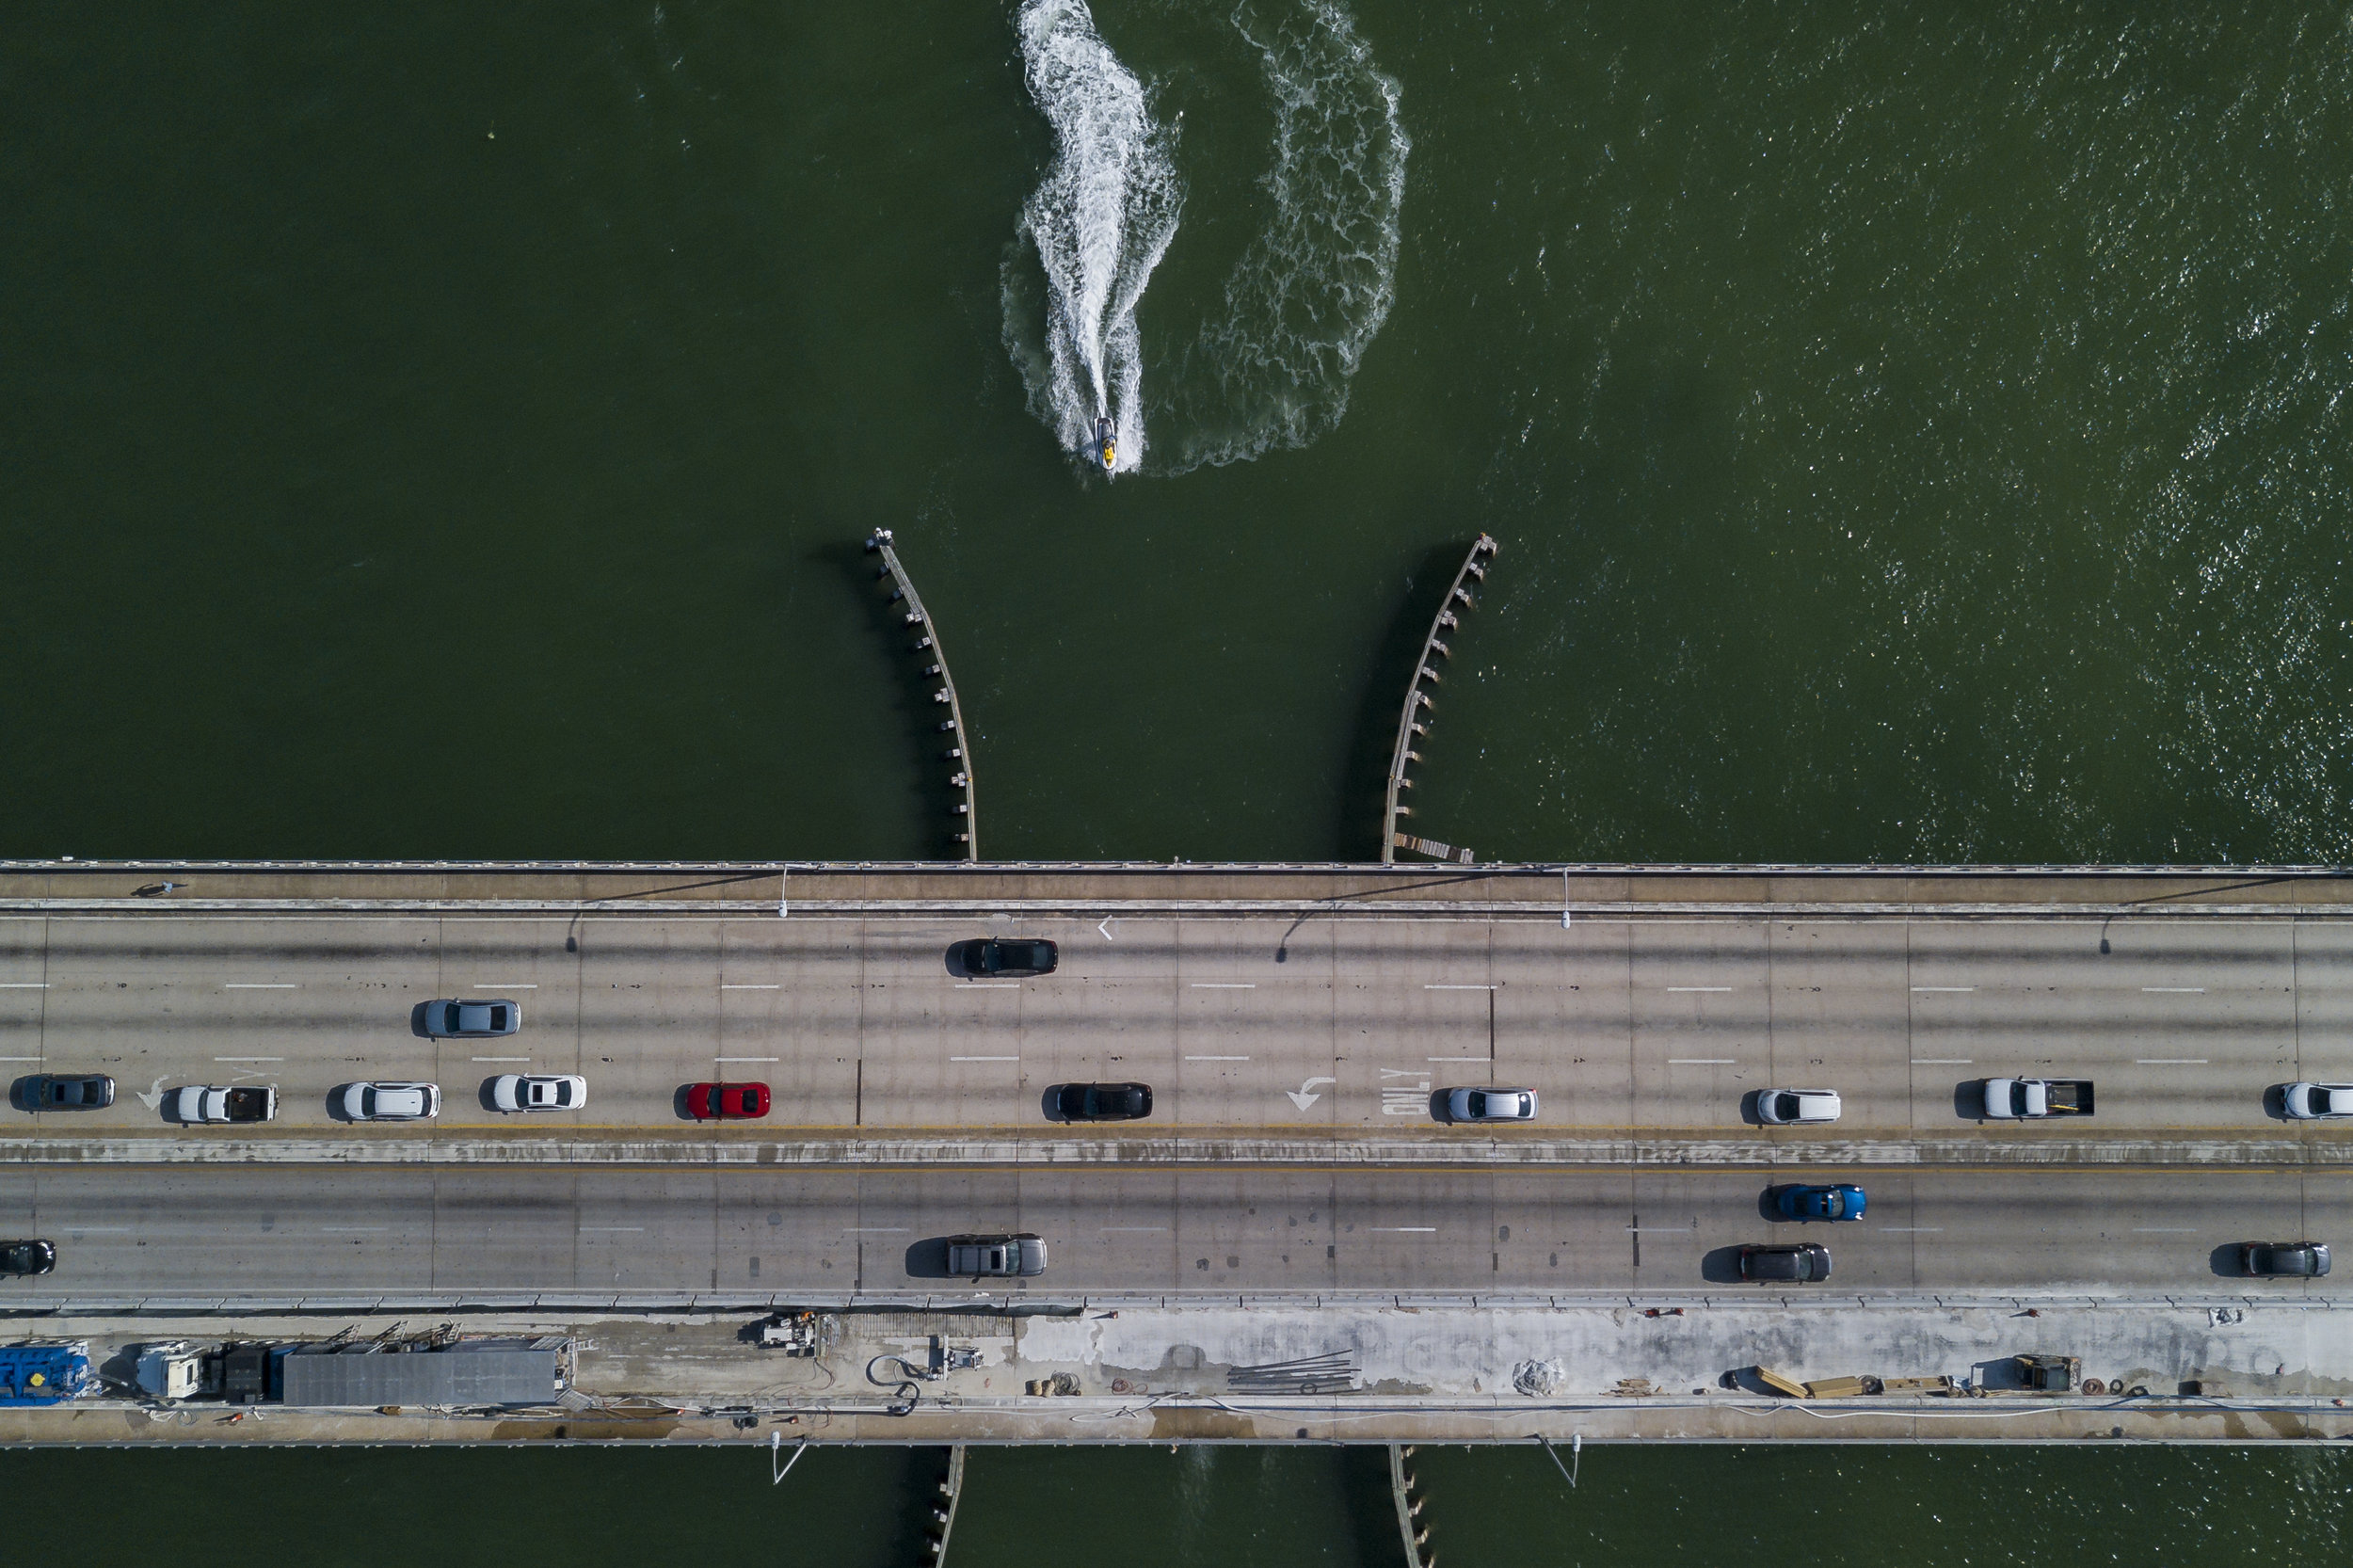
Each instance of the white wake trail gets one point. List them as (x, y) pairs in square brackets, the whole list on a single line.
[(1101, 221)]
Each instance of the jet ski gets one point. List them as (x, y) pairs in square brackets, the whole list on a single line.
[(1105, 440)]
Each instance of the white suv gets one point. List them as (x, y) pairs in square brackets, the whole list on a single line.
[(1785, 1107)]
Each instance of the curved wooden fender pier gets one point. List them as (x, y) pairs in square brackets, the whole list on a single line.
[(1411, 723)]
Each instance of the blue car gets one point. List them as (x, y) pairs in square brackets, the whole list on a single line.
[(1842, 1201)]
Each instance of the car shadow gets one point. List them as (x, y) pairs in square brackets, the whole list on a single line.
[(1745, 1380), (928, 1259), (335, 1110), (955, 961), (2276, 1103), (677, 1103), (1766, 1209), (1748, 1108), (1969, 1100), (2223, 1261), (1438, 1112), (482, 1096), (1050, 1103), (1721, 1266), (416, 1021), (21, 1094)]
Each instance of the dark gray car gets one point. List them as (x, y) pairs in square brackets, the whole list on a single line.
[(465, 1018), (1793, 1263), (72, 1091), (1103, 1102), (2284, 1260)]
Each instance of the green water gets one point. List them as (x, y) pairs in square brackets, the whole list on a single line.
[(1149, 1507), (1914, 433)]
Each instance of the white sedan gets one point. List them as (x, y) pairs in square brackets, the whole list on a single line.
[(2313, 1102), (1787, 1107), (390, 1102), (1491, 1105), (538, 1091)]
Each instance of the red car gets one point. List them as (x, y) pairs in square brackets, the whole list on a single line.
[(727, 1102)]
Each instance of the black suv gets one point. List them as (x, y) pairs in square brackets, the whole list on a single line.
[(1011, 956), (1103, 1102)]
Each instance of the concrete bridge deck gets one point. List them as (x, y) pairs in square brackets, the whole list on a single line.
[(1294, 1022)]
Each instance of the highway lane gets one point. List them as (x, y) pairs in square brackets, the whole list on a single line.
[(261, 1231), (1337, 1024)]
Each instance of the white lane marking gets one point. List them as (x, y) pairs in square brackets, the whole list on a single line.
[(2176, 990), (1908, 1230), (23, 985), (1106, 928), (1217, 1059), (1666, 1230), (260, 985), (2169, 1062), (506, 986), (1156, 1230), (1698, 987), (1943, 1061), (1462, 987), (1943, 988), (1404, 1230), (1702, 1060), (96, 1230), (1454, 1058), (502, 1059), (354, 1227), (2164, 1230), (612, 1227), (984, 1059), (875, 1230), (248, 1059), (739, 987), (19, 1058), (989, 985), (747, 1058), (1224, 985)]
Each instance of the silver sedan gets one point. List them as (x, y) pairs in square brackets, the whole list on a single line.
[(1491, 1105)]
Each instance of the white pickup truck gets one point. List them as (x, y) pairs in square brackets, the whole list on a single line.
[(200, 1102), (2025, 1098)]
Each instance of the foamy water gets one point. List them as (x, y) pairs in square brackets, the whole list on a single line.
[(1311, 291), (1269, 368), (1101, 221)]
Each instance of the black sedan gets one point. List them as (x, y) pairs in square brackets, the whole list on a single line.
[(77, 1092), (27, 1257), (1795, 1263), (1103, 1102), (2284, 1260), (1012, 958)]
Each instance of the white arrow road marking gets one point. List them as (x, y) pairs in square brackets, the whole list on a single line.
[(1105, 929), (154, 1098), (1306, 1096)]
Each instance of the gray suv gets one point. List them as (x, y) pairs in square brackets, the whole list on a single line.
[(1021, 1256)]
